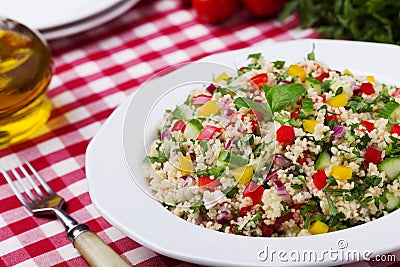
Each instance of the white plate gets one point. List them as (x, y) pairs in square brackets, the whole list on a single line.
[(45, 14), (121, 200), (89, 22)]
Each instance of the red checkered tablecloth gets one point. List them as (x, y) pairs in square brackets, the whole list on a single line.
[(94, 72)]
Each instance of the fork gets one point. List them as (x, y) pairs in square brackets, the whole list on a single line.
[(37, 196)]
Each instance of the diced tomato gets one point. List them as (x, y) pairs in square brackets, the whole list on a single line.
[(201, 99), (244, 210), (323, 98), (285, 135), (295, 114), (254, 191), (333, 117), (395, 129), (208, 183), (279, 221), (179, 125), (299, 102), (303, 159), (322, 76), (266, 230), (368, 125), (243, 68), (208, 132), (396, 93), (319, 179), (373, 155), (367, 88), (259, 80)]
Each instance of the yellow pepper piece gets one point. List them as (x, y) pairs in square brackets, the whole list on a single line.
[(338, 101), (243, 174), (309, 125), (296, 70), (208, 108), (186, 165), (346, 71), (318, 227), (341, 173), (371, 79), (221, 77)]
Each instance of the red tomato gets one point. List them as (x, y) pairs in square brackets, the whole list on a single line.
[(373, 155), (179, 125), (259, 80), (367, 88), (369, 125), (395, 129), (208, 183), (323, 98), (332, 117), (295, 114), (319, 179), (214, 11), (263, 8), (254, 191), (322, 76), (285, 135), (396, 93)]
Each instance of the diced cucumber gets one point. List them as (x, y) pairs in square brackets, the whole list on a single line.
[(393, 201), (193, 129), (391, 167), (323, 161), (314, 84), (232, 160)]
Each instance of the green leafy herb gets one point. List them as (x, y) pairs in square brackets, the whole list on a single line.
[(230, 192), (178, 113), (255, 56), (332, 209), (279, 64), (197, 205), (369, 20), (311, 55), (251, 104), (281, 96)]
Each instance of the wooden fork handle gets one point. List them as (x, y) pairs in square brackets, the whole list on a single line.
[(96, 252)]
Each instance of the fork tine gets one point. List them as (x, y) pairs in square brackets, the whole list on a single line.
[(39, 178), (14, 188), (31, 181), (23, 185)]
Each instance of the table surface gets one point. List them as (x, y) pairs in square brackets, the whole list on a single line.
[(94, 72)]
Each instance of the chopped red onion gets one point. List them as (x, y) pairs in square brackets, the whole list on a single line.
[(272, 176), (211, 88), (224, 215), (185, 181), (164, 134), (229, 143), (281, 161), (338, 131), (280, 187)]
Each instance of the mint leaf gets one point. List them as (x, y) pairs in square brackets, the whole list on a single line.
[(281, 96), (251, 104)]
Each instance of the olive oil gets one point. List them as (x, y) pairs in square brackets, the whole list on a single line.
[(25, 73)]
